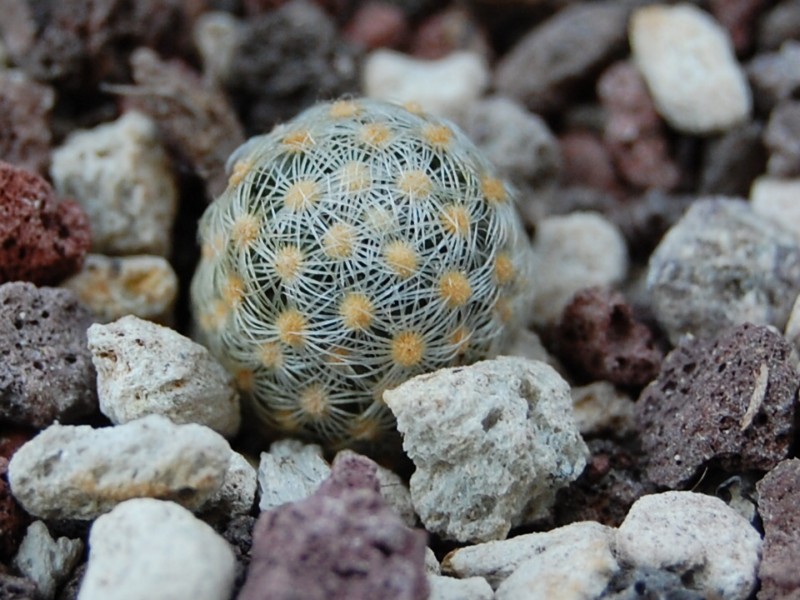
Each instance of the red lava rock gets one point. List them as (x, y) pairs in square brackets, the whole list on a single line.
[(611, 483), (342, 542), (454, 28), (739, 18), (13, 519), (586, 161), (727, 402), (378, 25), (25, 121), (195, 118), (46, 370), (777, 504), (599, 336), (42, 240), (634, 132)]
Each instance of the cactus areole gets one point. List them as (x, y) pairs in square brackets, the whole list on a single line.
[(358, 245)]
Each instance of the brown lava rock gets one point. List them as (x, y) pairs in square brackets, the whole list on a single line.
[(46, 370), (25, 121), (599, 336), (42, 240), (13, 520), (342, 542), (727, 402), (777, 503)]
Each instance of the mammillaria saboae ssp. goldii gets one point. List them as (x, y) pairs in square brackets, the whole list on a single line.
[(356, 246)]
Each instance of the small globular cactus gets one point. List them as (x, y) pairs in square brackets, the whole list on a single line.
[(356, 246)]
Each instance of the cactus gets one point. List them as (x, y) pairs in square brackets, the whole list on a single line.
[(357, 245)]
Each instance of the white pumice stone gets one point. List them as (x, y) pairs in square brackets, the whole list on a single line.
[(450, 588), (144, 369), (289, 472), (688, 62), (776, 199), (492, 444), (696, 535), (77, 472), (120, 174), (45, 561), (236, 495), (568, 550), (601, 407), (148, 548)]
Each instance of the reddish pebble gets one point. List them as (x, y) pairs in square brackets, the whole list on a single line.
[(42, 240), (586, 161), (378, 25), (452, 29)]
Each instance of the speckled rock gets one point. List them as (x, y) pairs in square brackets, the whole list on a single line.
[(634, 133), (550, 62), (453, 28), (600, 337), (635, 583), (733, 160), (42, 239), (346, 536), (572, 252), (46, 373), (694, 535), (517, 142), (115, 286), (76, 472), (727, 402), (147, 548), (147, 369), (497, 560), (612, 481), (776, 200), (450, 588), (288, 59), (780, 138), (119, 173), (777, 505), (194, 118), (239, 534), (492, 443), (775, 76), (601, 408), (719, 265), (443, 87), (694, 96), (17, 588), (45, 561), (237, 494), (289, 472), (25, 107)]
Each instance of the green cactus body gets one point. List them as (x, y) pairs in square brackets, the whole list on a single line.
[(358, 245)]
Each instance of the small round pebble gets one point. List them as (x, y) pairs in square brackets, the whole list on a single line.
[(147, 548)]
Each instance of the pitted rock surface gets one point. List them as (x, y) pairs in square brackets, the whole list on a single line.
[(342, 542), (600, 337), (777, 505), (729, 402), (42, 239), (46, 371)]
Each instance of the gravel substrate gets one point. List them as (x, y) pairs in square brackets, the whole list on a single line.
[(617, 412)]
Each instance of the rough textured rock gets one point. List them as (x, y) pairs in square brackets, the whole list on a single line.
[(696, 536), (119, 173), (777, 505), (719, 265), (147, 548), (727, 402), (634, 583), (194, 118), (442, 87), (695, 96), (775, 76), (634, 133), (775, 199), (239, 534), (497, 560), (42, 239), (572, 252), (146, 369), (517, 142), (612, 481), (732, 161), (557, 57), (13, 520), (76, 472), (346, 536), (378, 25), (600, 337), (289, 472), (288, 59), (492, 443), (449, 30), (237, 494), (17, 588), (25, 107), (450, 588), (601, 408), (781, 140), (46, 372), (45, 561), (115, 286)]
